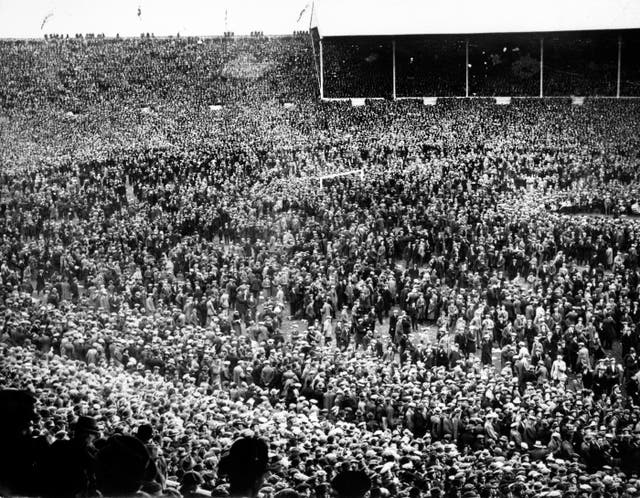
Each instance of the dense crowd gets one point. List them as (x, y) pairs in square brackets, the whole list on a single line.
[(79, 72), (185, 311)]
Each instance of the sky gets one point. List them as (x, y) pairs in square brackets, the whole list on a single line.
[(24, 18), (34, 18), (390, 17)]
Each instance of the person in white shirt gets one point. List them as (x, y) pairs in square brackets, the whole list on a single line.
[(559, 370)]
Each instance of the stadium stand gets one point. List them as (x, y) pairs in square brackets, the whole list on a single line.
[(416, 51)]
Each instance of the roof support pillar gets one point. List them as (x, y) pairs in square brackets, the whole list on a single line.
[(541, 67), (619, 66), (393, 58), (321, 73), (466, 67)]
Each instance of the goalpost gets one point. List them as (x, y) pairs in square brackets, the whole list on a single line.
[(359, 172)]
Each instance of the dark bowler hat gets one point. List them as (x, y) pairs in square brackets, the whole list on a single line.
[(247, 454), (351, 484), (86, 425)]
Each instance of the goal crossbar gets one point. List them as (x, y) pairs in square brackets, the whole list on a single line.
[(341, 173)]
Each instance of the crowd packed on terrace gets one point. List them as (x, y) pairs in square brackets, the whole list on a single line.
[(186, 311)]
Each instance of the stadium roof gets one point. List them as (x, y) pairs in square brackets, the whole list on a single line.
[(420, 17)]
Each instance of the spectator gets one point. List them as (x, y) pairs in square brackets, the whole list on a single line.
[(121, 465), (246, 465), (351, 484)]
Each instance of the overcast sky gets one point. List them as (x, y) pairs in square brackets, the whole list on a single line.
[(24, 18), (391, 17)]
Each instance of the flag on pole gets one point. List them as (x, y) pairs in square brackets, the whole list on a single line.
[(44, 21), (139, 12), (311, 16), (302, 12)]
